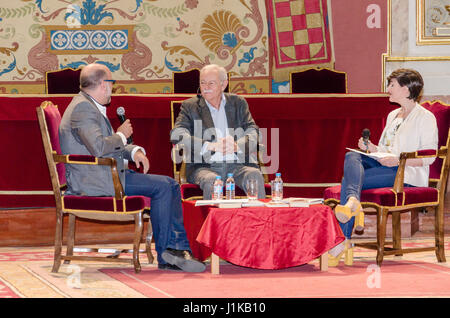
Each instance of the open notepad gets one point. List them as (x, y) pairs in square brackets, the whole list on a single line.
[(375, 155)]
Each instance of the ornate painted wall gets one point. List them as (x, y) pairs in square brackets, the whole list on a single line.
[(430, 56), (141, 41)]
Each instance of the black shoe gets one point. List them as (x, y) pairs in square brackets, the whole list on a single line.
[(183, 260), (169, 267)]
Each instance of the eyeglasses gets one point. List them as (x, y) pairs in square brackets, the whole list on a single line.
[(111, 81)]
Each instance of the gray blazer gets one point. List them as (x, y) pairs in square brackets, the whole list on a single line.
[(85, 131), (194, 126)]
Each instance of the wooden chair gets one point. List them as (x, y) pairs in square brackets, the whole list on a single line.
[(318, 80), (400, 199), (64, 81), (119, 208), (188, 82), (192, 191)]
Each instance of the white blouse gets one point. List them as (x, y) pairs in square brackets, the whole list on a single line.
[(388, 138), (418, 131)]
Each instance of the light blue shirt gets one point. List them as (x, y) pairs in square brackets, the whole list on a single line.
[(219, 118)]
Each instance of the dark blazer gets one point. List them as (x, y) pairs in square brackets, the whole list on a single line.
[(194, 126), (85, 131)]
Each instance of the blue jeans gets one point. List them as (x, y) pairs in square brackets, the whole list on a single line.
[(166, 213), (361, 173)]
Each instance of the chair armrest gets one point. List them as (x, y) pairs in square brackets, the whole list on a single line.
[(428, 153), (178, 150), (260, 157), (91, 160)]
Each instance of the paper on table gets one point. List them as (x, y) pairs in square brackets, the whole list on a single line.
[(276, 204), (302, 202), (215, 202), (252, 203), (295, 202), (375, 155)]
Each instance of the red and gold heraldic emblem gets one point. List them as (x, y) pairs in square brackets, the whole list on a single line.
[(299, 32)]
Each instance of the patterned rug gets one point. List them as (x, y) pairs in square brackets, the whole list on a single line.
[(26, 273)]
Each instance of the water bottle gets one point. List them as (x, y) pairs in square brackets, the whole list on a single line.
[(217, 188), (277, 188), (229, 187)]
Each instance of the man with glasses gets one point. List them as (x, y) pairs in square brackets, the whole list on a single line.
[(85, 130), (219, 135)]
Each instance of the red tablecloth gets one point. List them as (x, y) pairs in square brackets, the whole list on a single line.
[(194, 217), (262, 237)]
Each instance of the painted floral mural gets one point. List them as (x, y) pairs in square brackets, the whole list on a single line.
[(142, 42)]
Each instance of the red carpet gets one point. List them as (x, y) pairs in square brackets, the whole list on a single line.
[(26, 273), (394, 279), (6, 292)]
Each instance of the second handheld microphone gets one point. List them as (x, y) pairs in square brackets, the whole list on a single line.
[(365, 137)]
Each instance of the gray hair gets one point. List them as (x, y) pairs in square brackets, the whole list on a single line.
[(223, 76)]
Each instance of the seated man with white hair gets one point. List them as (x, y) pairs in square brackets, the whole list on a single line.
[(219, 133)]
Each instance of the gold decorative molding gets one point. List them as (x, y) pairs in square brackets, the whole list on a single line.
[(387, 57), (422, 38), (416, 58)]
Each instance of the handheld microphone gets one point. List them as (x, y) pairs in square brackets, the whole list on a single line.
[(121, 115), (199, 93), (366, 136)]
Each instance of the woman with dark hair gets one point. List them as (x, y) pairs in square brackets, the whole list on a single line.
[(408, 128)]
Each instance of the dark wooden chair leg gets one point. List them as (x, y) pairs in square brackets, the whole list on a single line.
[(148, 242), (70, 237), (138, 226), (58, 242), (397, 232), (381, 234), (439, 232)]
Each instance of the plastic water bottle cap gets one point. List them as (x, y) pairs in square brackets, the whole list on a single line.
[(218, 177), (278, 174), (230, 175)]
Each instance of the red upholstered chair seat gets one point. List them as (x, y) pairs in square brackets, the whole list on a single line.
[(129, 204), (189, 190), (386, 197)]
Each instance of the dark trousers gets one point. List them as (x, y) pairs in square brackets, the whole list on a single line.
[(205, 177), (166, 212)]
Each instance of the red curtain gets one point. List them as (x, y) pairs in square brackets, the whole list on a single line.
[(313, 134)]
